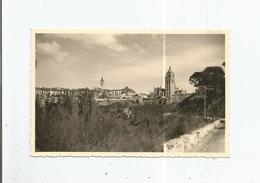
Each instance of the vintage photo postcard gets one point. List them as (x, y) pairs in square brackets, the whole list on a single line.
[(130, 93)]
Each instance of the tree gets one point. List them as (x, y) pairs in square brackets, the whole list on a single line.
[(211, 77)]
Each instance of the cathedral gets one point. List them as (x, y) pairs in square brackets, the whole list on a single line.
[(171, 94), (169, 85)]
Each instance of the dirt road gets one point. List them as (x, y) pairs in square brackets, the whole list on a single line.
[(214, 142)]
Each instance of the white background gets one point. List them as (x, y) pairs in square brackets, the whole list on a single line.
[(240, 17)]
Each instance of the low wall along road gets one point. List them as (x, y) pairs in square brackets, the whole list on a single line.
[(188, 141)]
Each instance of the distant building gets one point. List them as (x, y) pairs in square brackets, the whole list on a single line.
[(113, 92), (169, 85), (102, 82), (180, 95), (58, 95), (105, 96), (159, 91), (171, 93), (44, 92), (119, 93), (159, 95)]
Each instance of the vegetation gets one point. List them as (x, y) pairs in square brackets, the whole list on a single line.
[(212, 78), (88, 127), (210, 83)]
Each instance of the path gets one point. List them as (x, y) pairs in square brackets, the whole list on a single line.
[(214, 142)]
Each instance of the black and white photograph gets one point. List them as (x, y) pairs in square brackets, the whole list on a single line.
[(129, 92), (151, 91)]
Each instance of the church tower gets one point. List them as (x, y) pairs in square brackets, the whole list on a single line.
[(102, 82), (169, 84)]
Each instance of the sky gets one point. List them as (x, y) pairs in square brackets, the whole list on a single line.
[(134, 60)]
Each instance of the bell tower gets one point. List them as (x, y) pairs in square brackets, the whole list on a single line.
[(169, 85), (102, 82)]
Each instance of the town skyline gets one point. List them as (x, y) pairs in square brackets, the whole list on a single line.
[(136, 61)]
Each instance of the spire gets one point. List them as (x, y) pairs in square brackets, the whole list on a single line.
[(102, 81), (170, 70)]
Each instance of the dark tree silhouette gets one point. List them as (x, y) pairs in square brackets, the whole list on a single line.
[(211, 77)]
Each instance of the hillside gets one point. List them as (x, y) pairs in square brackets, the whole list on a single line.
[(86, 126), (210, 81), (194, 105)]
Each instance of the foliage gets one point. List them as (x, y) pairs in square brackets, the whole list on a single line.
[(210, 83), (211, 77), (84, 126)]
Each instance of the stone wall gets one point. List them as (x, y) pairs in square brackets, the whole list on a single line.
[(185, 142)]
